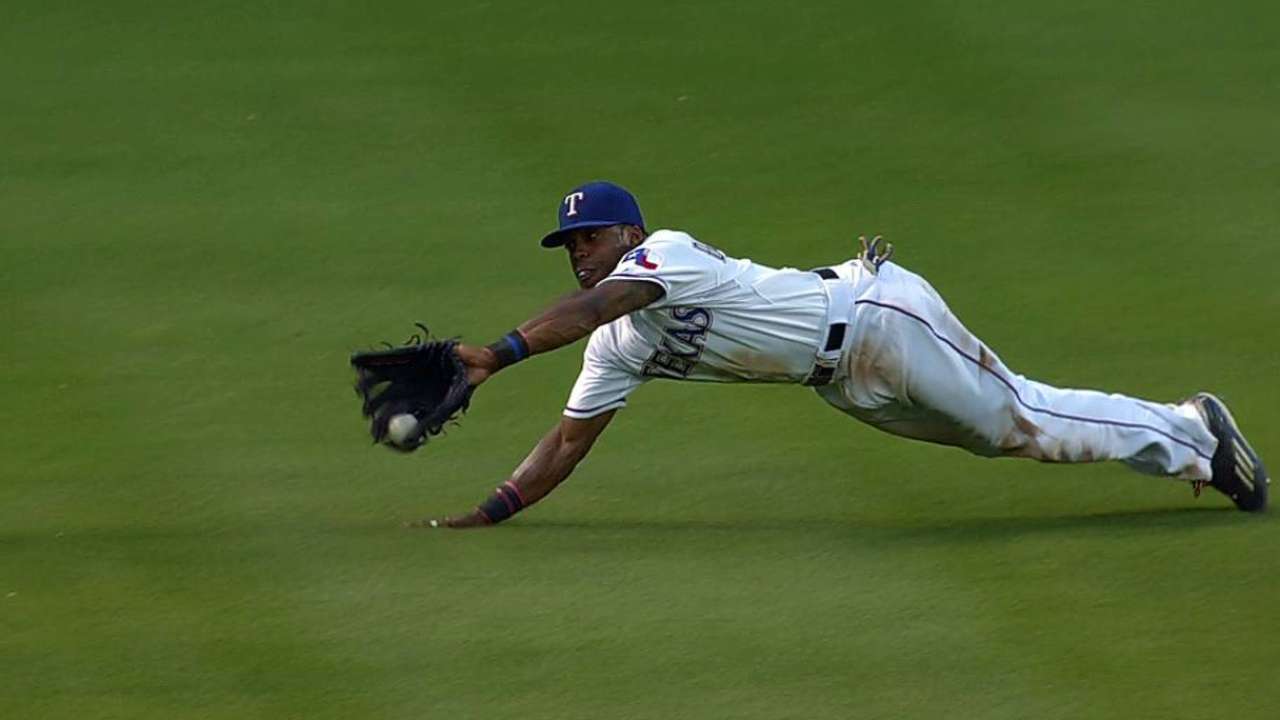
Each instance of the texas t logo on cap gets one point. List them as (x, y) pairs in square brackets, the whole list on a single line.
[(572, 201), (593, 205)]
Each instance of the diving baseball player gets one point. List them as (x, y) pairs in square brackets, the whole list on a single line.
[(871, 338)]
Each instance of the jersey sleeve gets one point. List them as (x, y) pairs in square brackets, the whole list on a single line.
[(604, 383), (682, 266)]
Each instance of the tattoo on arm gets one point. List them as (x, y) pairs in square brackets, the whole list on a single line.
[(577, 315)]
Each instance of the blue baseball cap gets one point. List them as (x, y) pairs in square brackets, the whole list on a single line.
[(596, 204)]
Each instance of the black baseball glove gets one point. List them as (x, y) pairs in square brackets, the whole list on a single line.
[(423, 378)]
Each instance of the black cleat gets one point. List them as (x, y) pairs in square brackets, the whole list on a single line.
[(1237, 470)]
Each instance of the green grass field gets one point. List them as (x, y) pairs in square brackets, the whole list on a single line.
[(204, 207)]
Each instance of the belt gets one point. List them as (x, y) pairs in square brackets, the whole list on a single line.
[(839, 303)]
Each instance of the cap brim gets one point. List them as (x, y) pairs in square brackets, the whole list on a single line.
[(555, 238)]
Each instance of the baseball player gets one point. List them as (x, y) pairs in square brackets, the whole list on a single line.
[(872, 338)]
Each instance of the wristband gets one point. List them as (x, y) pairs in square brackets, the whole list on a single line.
[(506, 501), (510, 349)]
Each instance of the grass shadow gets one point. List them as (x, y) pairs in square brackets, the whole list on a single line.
[(925, 529), (869, 530)]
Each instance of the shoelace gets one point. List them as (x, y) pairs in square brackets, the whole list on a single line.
[(870, 257), (1198, 485)]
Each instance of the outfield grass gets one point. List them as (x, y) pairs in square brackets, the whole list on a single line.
[(205, 207)]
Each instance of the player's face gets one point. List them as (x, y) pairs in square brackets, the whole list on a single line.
[(594, 252)]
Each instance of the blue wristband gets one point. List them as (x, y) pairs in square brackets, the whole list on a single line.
[(510, 349)]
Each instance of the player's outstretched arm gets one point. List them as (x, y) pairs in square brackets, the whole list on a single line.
[(567, 321), (547, 465)]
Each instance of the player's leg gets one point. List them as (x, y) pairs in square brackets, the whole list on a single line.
[(915, 370)]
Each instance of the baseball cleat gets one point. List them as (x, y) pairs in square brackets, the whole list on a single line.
[(1237, 470)]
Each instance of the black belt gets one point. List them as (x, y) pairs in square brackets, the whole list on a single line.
[(822, 374)]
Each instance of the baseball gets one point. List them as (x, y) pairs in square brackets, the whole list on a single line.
[(402, 428)]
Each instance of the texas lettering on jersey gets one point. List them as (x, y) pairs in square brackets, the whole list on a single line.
[(681, 345), (719, 319)]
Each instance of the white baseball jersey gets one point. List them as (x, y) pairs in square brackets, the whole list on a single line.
[(721, 319), (909, 366)]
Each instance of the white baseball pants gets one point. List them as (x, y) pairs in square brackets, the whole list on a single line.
[(912, 369)]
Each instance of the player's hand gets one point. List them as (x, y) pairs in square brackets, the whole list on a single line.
[(872, 255), (473, 519), (480, 362)]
